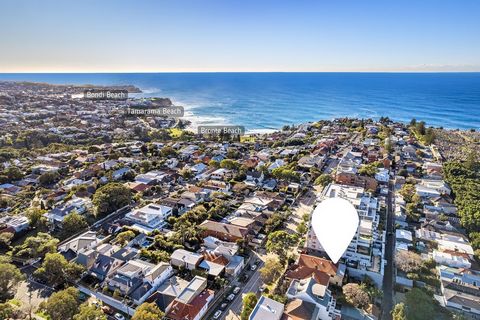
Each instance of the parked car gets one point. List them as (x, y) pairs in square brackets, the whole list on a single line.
[(253, 267), (236, 290), (231, 297), (107, 310), (224, 306), (119, 316), (243, 278), (217, 314)]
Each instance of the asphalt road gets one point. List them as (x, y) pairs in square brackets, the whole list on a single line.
[(388, 278), (253, 285)]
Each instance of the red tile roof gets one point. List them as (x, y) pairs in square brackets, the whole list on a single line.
[(309, 266), (182, 311)]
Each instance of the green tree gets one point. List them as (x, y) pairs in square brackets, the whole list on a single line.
[(368, 170), (56, 270), (407, 192), (7, 311), (10, 277), (324, 180), (5, 239), (111, 197), (286, 174), (356, 295), (48, 178), (62, 305), (302, 228), (89, 312), (186, 173), (148, 311), (124, 237), (73, 223), (35, 216), (281, 242), (419, 305), (229, 164), (471, 163), (249, 301), (420, 127), (272, 269), (429, 136), (398, 312), (36, 247), (214, 164), (13, 173)]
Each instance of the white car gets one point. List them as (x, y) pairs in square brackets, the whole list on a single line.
[(236, 290), (119, 316), (217, 314), (253, 267), (231, 297)]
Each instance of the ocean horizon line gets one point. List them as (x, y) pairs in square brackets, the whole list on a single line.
[(238, 72)]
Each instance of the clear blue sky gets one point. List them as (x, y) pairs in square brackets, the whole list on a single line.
[(239, 35)]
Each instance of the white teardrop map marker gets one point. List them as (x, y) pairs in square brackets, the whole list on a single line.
[(335, 222)]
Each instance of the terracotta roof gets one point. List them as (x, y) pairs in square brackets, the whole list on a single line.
[(194, 189), (216, 258), (182, 311), (303, 272), (318, 263), (228, 229), (299, 310)]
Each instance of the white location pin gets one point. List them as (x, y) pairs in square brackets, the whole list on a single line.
[(335, 222)]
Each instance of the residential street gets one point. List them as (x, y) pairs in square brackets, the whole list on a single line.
[(253, 285), (388, 279)]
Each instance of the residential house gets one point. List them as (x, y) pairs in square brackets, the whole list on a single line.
[(254, 177), (267, 309), (297, 309), (310, 290), (193, 301), (309, 266), (224, 231), (149, 217), (78, 205), (185, 259), (168, 292)]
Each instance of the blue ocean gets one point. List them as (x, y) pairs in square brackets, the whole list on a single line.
[(263, 101)]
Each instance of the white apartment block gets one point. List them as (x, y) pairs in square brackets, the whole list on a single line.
[(365, 254)]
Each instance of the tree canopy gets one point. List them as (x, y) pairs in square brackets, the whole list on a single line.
[(89, 312), (111, 197), (419, 305), (280, 242), (398, 312), (249, 301), (272, 269), (10, 277), (56, 270), (73, 223), (356, 295), (62, 305), (323, 180), (148, 311), (36, 247), (408, 261)]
